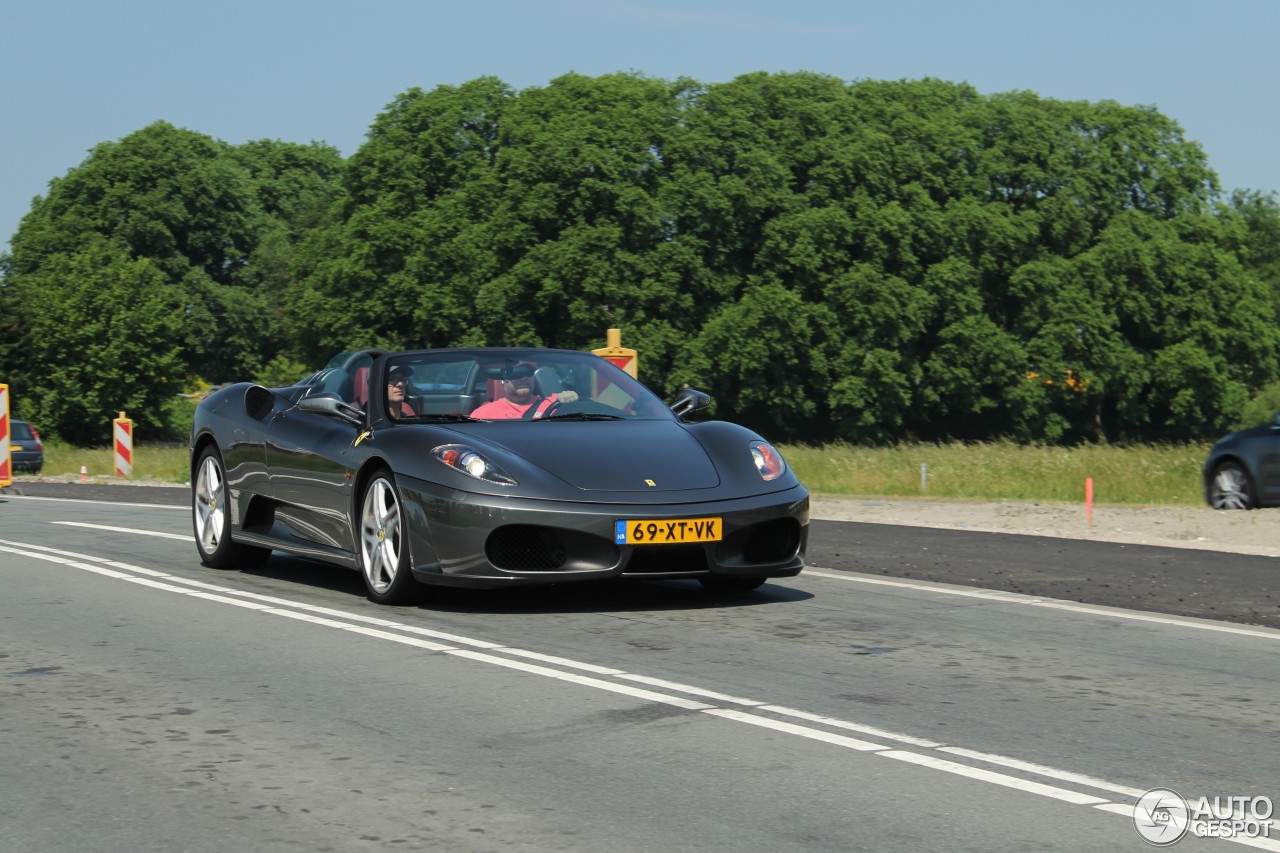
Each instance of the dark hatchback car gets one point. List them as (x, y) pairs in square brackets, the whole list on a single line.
[(1242, 470), (26, 451)]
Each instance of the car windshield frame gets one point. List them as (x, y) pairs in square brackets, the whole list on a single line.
[(450, 385)]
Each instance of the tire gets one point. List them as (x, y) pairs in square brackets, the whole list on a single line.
[(384, 549), (714, 584), (1230, 488), (211, 519)]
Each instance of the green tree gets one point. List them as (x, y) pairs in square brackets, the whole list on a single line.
[(402, 264), (868, 261), (1254, 220), (216, 225), (760, 355), (109, 338)]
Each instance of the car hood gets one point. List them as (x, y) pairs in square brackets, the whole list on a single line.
[(614, 456)]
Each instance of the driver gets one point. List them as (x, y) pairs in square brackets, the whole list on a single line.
[(397, 405), (519, 394)]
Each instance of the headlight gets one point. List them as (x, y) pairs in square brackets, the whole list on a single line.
[(461, 458), (768, 460)]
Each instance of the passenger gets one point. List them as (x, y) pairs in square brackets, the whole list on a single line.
[(519, 394)]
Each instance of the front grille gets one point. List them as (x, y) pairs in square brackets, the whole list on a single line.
[(525, 548), (656, 559), (772, 541)]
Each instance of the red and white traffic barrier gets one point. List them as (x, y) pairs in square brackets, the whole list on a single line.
[(122, 432), (6, 458)]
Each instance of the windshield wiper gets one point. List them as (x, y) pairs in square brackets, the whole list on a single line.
[(582, 416), (438, 419)]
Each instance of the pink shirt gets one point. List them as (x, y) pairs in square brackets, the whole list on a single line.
[(504, 409)]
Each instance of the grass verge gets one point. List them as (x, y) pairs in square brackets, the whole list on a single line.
[(1145, 474)]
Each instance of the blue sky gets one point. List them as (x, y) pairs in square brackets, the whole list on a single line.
[(74, 73)]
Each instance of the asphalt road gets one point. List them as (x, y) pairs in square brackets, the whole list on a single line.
[(153, 704), (1177, 581)]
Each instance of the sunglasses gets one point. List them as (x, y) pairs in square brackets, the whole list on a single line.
[(522, 372)]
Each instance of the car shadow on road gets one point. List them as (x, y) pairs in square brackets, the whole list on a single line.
[(582, 597), (608, 597)]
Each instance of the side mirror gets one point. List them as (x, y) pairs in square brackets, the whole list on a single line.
[(332, 404), (690, 400)]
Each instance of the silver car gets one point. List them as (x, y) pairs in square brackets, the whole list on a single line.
[(26, 450)]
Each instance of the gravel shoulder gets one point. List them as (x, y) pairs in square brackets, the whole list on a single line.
[(1256, 532)]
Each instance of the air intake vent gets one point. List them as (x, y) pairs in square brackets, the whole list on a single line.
[(525, 548), (772, 541)]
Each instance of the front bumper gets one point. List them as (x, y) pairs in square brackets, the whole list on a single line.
[(464, 539)]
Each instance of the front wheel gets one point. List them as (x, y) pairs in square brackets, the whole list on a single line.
[(211, 518), (1230, 488), (715, 584), (384, 546)]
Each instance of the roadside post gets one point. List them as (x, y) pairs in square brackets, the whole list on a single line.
[(1088, 501), (122, 433), (6, 437), (618, 354)]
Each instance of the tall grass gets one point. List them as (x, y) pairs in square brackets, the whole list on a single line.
[(163, 462), (1147, 474), (1150, 474)]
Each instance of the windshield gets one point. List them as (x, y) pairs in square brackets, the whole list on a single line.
[(528, 385)]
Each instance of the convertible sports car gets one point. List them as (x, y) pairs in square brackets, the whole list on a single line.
[(489, 467), (1242, 471)]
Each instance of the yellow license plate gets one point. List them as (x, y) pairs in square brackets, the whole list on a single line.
[(666, 531)]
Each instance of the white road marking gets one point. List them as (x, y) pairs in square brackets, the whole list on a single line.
[(684, 688), (794, 729), (112, 528), (1050, 603), (854, 727), (1041, 770), (853, 577), (849, 577), (405, 635), (995, 778), (96, 502)]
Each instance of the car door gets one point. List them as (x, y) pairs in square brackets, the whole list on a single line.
[(310, 460)]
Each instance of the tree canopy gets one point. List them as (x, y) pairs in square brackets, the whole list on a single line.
[(832, 260), (159, 259)]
